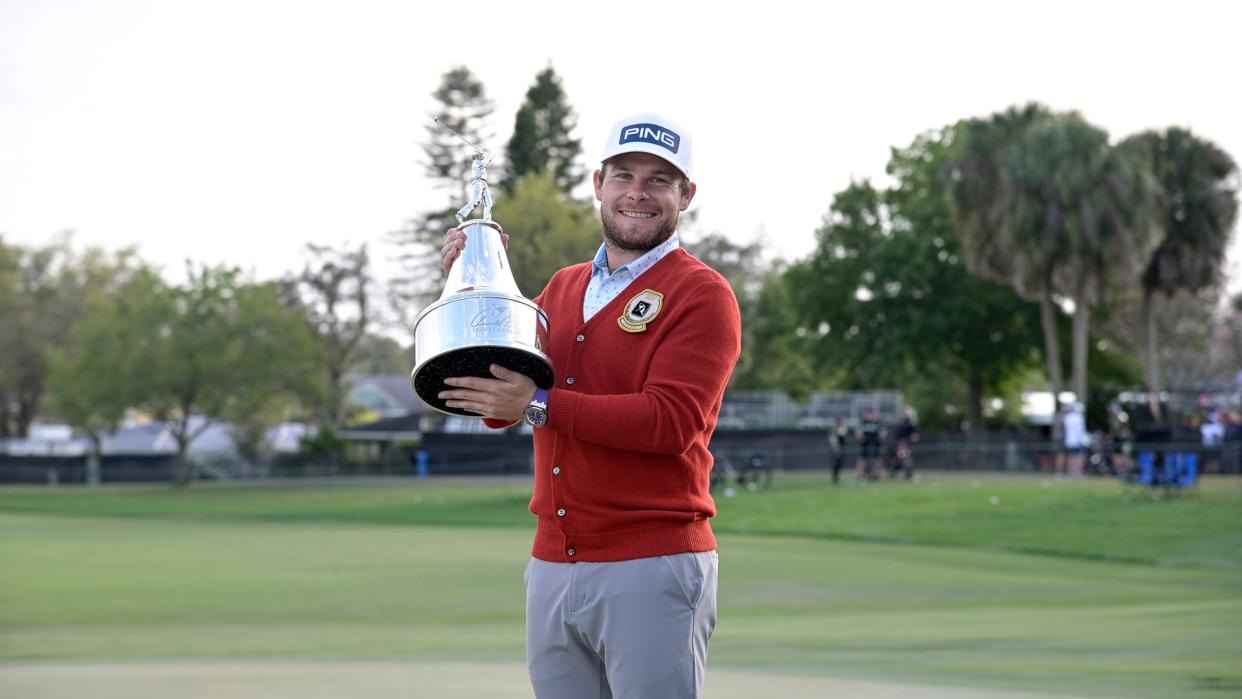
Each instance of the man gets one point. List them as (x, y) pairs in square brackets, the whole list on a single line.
[(1211, 431), (904, 437), (621, 586), (1076, 439), (869, 434), (1212, 435), (1121, 439), (1058, 439), (838, 433)]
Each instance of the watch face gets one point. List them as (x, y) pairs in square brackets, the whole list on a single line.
[(536, 416)]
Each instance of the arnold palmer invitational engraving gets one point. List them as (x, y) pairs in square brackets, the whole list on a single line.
[(494, 319)]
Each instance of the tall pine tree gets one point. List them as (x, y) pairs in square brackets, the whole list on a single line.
[(464, 107), (542, 138)]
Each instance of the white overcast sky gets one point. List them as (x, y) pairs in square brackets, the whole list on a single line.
[(236, 131)]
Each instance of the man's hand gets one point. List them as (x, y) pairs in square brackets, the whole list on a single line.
[(454, 243), (503, 398)]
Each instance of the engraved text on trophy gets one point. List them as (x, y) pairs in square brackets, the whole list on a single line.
[(493, 318)]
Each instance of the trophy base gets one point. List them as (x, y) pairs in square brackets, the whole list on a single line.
[(428, 378)]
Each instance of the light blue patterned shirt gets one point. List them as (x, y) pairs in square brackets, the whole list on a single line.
[(605, 287)]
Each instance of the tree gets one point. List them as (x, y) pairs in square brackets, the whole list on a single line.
[(836, 290), (1229, 339), (180, 338), (278, 362), (91, 378), (332, 290), (887, 297), (214, 348), (1188, 323), (10, 321), (778, 354), (983, 331), (976, 188), (1060, 208), (753, 282), (378, 354), (547, 230), (43, 292), (1198, 206), (1099, 199), (35, 319), (542, 140), (741, 264), (464, 107)]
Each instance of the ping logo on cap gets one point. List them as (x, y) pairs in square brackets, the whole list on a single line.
[(653, 134)]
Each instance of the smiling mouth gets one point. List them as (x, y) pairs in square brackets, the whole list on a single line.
[(638, 214)]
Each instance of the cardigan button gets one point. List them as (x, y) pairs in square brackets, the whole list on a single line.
[(569, 380), (581, 338), (572, 551), (556, 470), (560, 512)]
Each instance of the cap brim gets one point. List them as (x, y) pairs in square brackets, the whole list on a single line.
[(639, 147)]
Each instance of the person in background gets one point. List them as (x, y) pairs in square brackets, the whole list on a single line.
[(1076, 440), (1059, 458), (838, 433), (1211, 431), (904, 437), (870, 434), (1232, 452), (1212, 434), (1120, 439)]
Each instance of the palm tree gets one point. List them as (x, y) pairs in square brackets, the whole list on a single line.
[(1095, 200), (1061, 212), (980, 202), (1198, 207)]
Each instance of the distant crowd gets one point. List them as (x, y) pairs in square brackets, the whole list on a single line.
[(874, 450), (879, 452), (1111, 451)]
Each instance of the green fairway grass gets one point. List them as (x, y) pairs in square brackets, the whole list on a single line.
[(1084, 588)]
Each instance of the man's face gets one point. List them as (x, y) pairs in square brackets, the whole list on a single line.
[(640, 200)]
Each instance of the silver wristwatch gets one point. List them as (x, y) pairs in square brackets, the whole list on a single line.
[(536, 413)]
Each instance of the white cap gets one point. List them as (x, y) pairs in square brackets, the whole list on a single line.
[(650, 133)]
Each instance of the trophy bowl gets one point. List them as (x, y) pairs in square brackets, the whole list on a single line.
[(467, 333)]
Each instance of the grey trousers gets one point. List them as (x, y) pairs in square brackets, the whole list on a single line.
[(627, 630)]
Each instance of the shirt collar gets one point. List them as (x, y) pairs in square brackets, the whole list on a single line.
[(637, 266)]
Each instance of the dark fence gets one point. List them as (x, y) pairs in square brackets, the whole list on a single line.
[(504, 452), (510, 452), (1014, 451), (72, 469)]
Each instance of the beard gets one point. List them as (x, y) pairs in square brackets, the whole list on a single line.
[(632, 242)]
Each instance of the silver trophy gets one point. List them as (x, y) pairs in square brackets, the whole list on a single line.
[(481, 318)]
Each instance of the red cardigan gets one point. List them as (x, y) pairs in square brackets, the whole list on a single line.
[(621, 467)]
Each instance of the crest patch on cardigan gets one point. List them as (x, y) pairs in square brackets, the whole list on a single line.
[(641, 310)]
